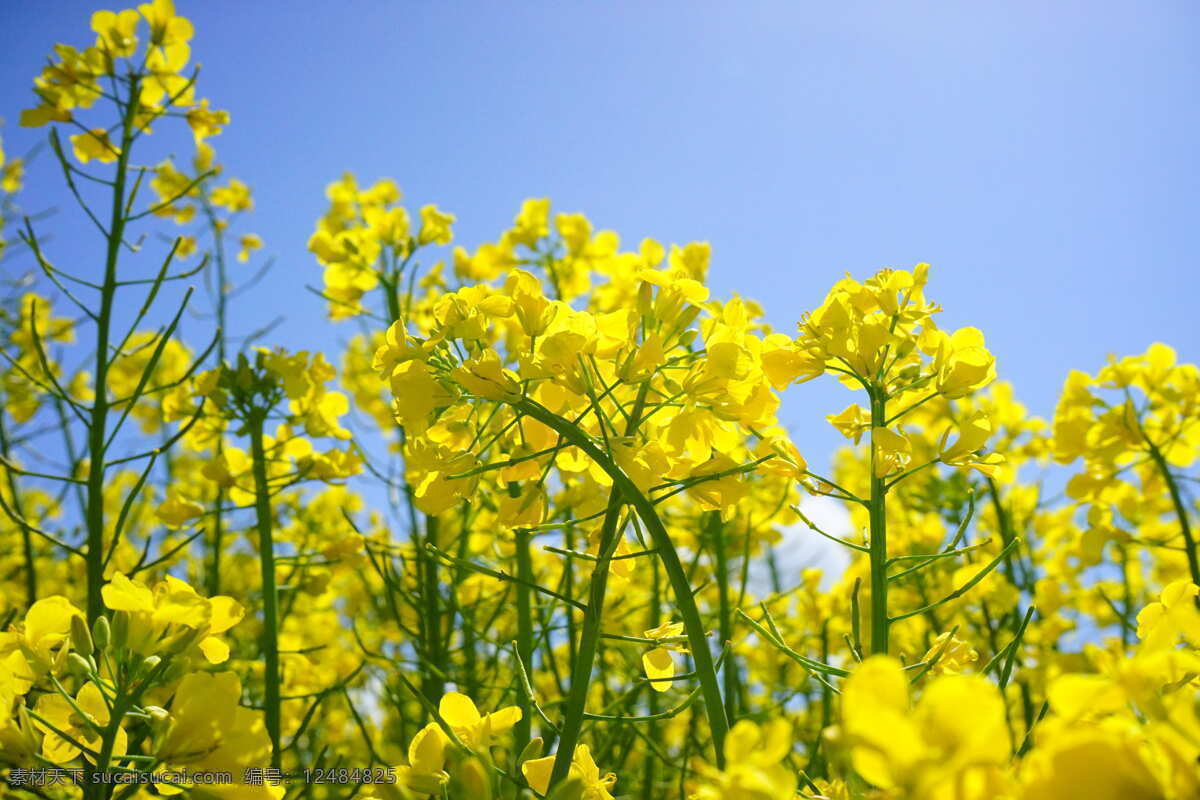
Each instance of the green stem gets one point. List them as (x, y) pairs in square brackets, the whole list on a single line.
[(1185, 527), (524, 728), (116, 715), (428, 596), (214, 569), (97, 425), (705, 667), (589, 642), (878, 519), (1004, 524), (214, 574), (431, 679), (652, 621), (31, 590), (467, 617), (266, 545), (1126, 596), (716, 529)]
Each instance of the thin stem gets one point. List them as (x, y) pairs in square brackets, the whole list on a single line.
[(581, 670), (1185, 526), (878, 546), (97, 425), (31, 590), (716, 529), (266, 544), (685, 603), (524, 727)]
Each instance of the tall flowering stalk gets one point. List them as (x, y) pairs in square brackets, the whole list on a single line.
[(880, 336)]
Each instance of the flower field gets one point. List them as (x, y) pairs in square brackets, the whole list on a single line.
[(515, 532)]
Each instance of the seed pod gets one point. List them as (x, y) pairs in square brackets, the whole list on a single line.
[(81, 638), (101, 633)]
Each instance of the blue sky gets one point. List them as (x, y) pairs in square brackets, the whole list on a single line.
[(1041, 155)]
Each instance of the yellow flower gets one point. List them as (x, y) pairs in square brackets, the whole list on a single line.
[(211, 732), (425, 773), (537, 772), (962, 363), (176, 511), (1096, 762), (431, 473), (532, 222), (226, 468), (476, 731), (952, 654), (523, 509), (852, 423), (11, 175), (973, 435), (186, 247), (166, 29), (435, 226), (158, 616), (94, 145), (486, 377), (206, 122), (116, 32), (893, 452), (1163, 623), (754, 764), (658, 662), (957, 732), (85, 729), (534, 311), (46, 637), (235, 196)]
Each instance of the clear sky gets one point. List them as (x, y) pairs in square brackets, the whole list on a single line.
[(1041, 155)]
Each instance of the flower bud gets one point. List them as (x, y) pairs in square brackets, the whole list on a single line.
[(150, 663), (645, 300), (81, 639), (158, 714), (78, 665), (531, 751), (101, 633), (685, 319)]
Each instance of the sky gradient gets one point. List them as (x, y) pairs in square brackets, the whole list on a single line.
[(1042, 156)]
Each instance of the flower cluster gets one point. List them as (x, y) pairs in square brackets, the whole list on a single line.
[(541, 534)]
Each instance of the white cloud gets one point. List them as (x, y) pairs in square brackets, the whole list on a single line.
[(802, 548)]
